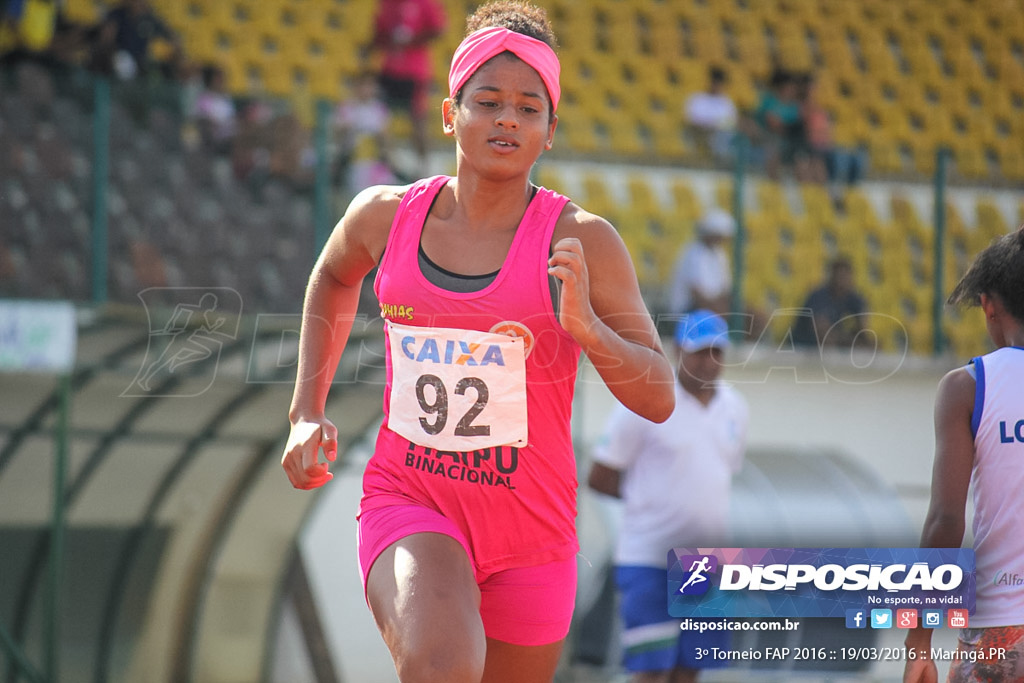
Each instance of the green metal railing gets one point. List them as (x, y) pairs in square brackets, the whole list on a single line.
[(939, 246), (740, 171), (323, 195), (100, 182), (739, 244)]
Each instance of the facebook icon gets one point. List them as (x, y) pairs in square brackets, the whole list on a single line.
[(856, 618)]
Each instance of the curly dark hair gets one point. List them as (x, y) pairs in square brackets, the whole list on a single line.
[(519, 16), (515, 15), (998, 270)]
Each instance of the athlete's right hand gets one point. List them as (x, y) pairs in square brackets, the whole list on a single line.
[(301, 455)]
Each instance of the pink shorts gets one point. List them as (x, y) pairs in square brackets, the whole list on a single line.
[(521, 606)]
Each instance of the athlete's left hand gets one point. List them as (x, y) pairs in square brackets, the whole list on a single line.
[(567, 263), (920, 671)]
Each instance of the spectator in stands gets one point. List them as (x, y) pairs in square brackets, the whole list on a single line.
[(125, 38), (10, 16), (250, 150), (833, 315), (819, 158), (215, 114), (361, 130), (71, 44), (272, 144), (403, 31), (702, 277), (711, 116), (26, 29), (778, 122), (815, 142), (292, 156)]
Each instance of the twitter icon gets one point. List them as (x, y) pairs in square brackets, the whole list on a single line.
[(881, 618)]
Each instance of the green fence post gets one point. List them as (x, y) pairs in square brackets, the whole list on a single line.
[(939, 250), (100, 161), (57, 528), (740, 241), (322, 178)]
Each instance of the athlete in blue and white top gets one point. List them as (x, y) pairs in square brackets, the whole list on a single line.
[(979, 444)]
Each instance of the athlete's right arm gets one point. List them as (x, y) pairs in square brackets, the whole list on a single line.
[(332, 296), (954, 460)]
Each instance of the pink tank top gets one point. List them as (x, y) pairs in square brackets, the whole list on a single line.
[(516, 505)]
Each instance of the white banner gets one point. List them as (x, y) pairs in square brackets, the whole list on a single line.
[(37, 336)]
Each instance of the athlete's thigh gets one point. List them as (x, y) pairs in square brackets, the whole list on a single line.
[(507, 663), (424, 598)]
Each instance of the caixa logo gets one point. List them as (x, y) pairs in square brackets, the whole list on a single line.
[(696, 573), (452, 352)]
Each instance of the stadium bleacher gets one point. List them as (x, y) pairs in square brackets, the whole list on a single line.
[(899, 79)]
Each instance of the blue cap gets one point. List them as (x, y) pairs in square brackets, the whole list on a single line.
[(702, 329)]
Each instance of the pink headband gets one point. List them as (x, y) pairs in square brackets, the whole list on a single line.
[(481, 45)]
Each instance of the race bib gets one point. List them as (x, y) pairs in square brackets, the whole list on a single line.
[(457, 390)]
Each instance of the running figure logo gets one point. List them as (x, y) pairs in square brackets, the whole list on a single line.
[(697, 568), (187, 340)]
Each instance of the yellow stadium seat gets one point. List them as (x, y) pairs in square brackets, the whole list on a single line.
[(212, 12), (970, 162), (885, 156), (641, 196), (576, 133), (202, 43), (666, 135), (1012, 164), (684, 201), (82, 12), (596, 194), (628, 67), (547, 176), (724, 194)]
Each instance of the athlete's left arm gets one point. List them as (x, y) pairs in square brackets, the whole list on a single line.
[(601, 307), (951, 477)]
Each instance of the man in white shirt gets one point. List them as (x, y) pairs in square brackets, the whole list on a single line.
[(712, 116), (702, 277), (674, 480)]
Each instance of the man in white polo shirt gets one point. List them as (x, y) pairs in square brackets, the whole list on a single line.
[(674, 479), (712, 116), (702, 276)]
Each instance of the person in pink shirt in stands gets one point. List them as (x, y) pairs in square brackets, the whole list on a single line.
[(490, 287), (402, 33)]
